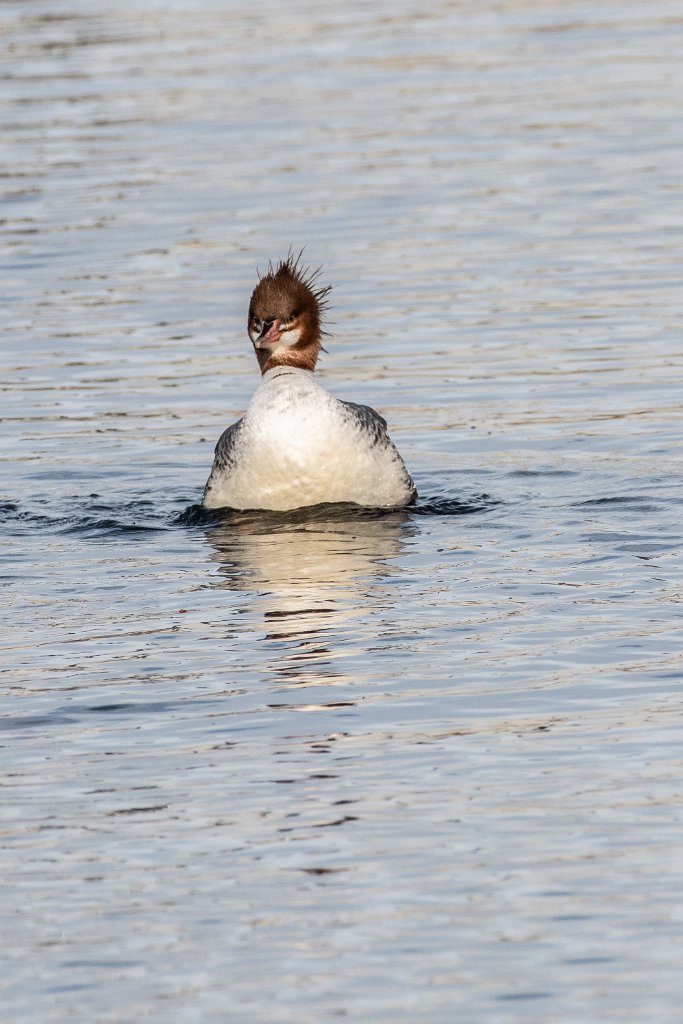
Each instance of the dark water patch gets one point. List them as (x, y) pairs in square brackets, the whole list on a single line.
[(75, 713), (648, 549), (108, 527), (321, 871), (12, 723), (521, 996), (444, 506), (137, 810), (139, 516), (645, 544), (130, 708), (86, 518), (541, 472), (17, 517), (142, 516), (643, 503), (279, 614), (197, 515)]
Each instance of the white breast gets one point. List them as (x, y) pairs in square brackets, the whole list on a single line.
[(297, 445)]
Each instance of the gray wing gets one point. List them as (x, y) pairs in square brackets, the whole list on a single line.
[(224, 454), (375, 426), (223, 460), (225, 447), (369, 421)]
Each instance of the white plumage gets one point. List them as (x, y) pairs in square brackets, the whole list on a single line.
[(297, 445)]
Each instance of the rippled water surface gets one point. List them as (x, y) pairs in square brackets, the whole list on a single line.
[(384, 767)]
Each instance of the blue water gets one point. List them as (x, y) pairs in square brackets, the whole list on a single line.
[(337, 763)]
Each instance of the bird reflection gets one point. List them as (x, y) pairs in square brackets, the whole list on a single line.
[(317, 579)]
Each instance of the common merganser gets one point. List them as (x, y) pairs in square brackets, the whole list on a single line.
[(296, 445)]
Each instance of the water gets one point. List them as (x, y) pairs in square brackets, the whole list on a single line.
[(341, 765)]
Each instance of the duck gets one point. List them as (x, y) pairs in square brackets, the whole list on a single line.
[(297, 445)]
